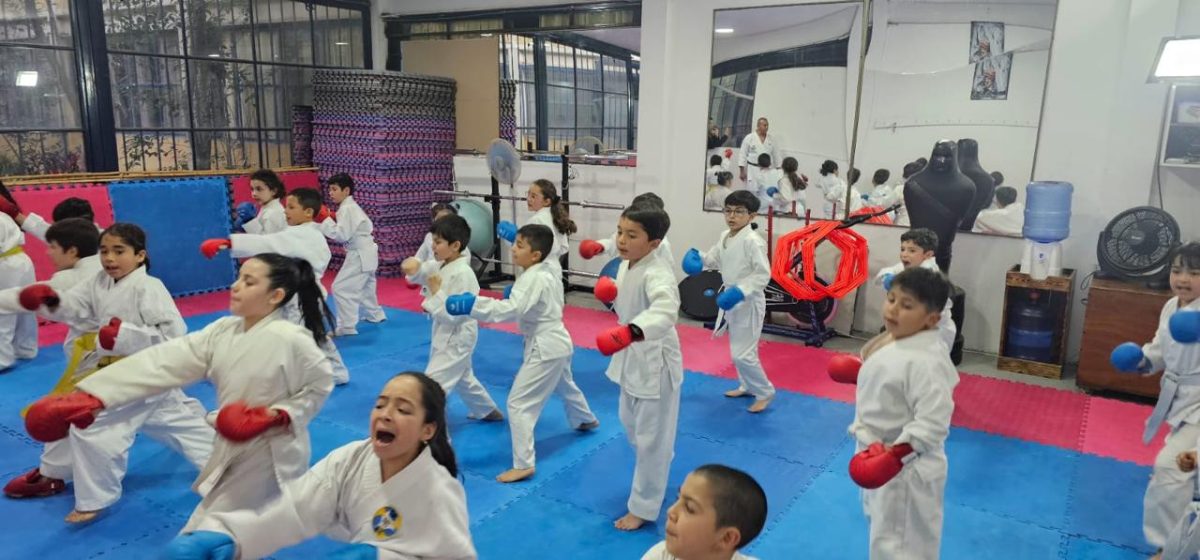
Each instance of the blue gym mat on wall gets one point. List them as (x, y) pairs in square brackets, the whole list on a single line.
[(178, 214)]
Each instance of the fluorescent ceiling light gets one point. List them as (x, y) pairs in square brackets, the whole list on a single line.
[(342, 44), (214, 55), (635, 58), (1178, 58), (485, 34), (723, 30), (27, 78)]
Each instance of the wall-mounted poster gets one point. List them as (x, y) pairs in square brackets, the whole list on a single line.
[(991, 78), (987, 40)]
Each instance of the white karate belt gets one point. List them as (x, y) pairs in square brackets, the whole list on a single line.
[(1171, 382), (721, 325)]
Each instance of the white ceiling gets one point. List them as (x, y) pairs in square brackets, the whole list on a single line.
[(624, 37), (752, 21)]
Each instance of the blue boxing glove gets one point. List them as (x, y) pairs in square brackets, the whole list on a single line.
[(1129, 358), (507, 231), (359, 551), (732, 296), (772, 191), (887, 281), (1185, 326), (460, 304), (693, 263), (244, 212), (201, 545), (508, 291)]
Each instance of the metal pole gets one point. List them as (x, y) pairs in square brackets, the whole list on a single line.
[(862, 63)]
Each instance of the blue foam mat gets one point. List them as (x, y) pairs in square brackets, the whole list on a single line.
[(1005, 498)]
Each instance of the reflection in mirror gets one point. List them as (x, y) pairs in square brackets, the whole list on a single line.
[(972, 72), (781, 99)]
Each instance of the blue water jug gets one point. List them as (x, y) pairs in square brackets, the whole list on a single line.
[(1047, 211), (1030, 330)]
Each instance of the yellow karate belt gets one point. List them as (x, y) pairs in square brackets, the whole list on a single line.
[(14, 251), (83, 345)]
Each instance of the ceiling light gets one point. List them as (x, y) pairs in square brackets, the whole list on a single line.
[(1178, 60), (27, 78), (214, 55), (723, 30), (635, 58), (342, 44), (485, 34)]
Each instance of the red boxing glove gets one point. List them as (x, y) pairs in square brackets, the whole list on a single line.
[(50, 418), (614, 340), (239, 422), (876, 465), (843, 368), (589, 248), (210, 247), (108, 334), (37, 295), (605, 290), (323, 215), (9, 207)]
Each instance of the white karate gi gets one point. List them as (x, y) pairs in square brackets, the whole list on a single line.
[(418, 513), (274, 364), (787, 195), (1170, 489), (752, 145), (84, 270), (947, 331), (742, 260), (650, 373), (18, 332), (452, 343), (425, 251), (96, 458), (354, 286), (304, 241), (536, 303), (561, 244), (714, 197), (710, 176), (659, 552), (37, 226), (270, 219), (826, 198), (905, 394), (663, 251), (429, 263), (757, 183), (1009, 220)]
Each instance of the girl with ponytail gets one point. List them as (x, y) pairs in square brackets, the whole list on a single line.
[(404, 473), (271, 379), (548, 210)]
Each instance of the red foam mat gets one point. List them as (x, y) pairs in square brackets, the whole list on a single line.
[(41, 199)]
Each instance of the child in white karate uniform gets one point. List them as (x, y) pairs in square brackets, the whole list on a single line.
[(68, 208), (589, 248), (785, 196), (18, 332), (548, 210), (395, 495), (719, 511), (714, 195), (301, 240), (128, 311), (903, 404), (266, 188), (763, 180), (917, 247), (650, 372), (1183, 543), (741, 256), (271, 379), (1175, 352), (354, 286), (424, 254), (536, 303), (452, 342)]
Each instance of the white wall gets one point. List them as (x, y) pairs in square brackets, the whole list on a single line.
[(827, 23), (806, 109), (1181, 186), (1100, 131)]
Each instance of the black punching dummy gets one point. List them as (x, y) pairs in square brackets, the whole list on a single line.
[(938, 197), (985, 186)]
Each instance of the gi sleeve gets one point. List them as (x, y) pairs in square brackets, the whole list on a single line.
[(522, 299), (1154, 350), (160, 320), (36, 226), (172, 364), (758, 276), (930, 395), (435, 303)]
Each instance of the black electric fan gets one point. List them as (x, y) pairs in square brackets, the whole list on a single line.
[(1136, 246)]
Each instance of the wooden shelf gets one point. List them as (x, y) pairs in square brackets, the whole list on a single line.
[(1060, 289)]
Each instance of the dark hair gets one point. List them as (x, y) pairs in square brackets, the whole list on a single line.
[(454, 229), (439, 207), (649, 198), (881, 176), (911, 168), (74, 207), (829, 166), (129, 234), (1187, 256), (715, 159), (296, 278), (271, 180), (738, 499), (343, 180), (1006, 195), (7, 195), (724, 177), (764, 160), (562, 222), (790, 170), (433, 400), (653, 219), (745, 199), (308, 199), (924, 238), (75, 232), (922, 162), (930, 287), (539, 238), (853, 175), (998, 178)]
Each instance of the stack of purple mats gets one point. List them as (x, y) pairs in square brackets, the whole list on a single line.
[(302, 133), (508, 111), (395, 134)]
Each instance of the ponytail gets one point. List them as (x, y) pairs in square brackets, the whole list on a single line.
[(558, 211), (790, 168), (433, 399), (297, 279)]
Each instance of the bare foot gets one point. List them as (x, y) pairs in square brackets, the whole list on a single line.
[(736, 393), (514, 475), (1157, 556), (493, 416), (588, 426), (82, 516), (759, 406), (629, 522)]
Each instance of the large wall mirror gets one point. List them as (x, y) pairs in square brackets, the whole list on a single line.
[(964, 77)]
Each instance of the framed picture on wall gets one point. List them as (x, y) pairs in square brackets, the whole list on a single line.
[(987, 40), (991, 78)]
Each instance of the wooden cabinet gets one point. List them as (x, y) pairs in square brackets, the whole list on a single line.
[(1054, 295), (1118, 312)]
